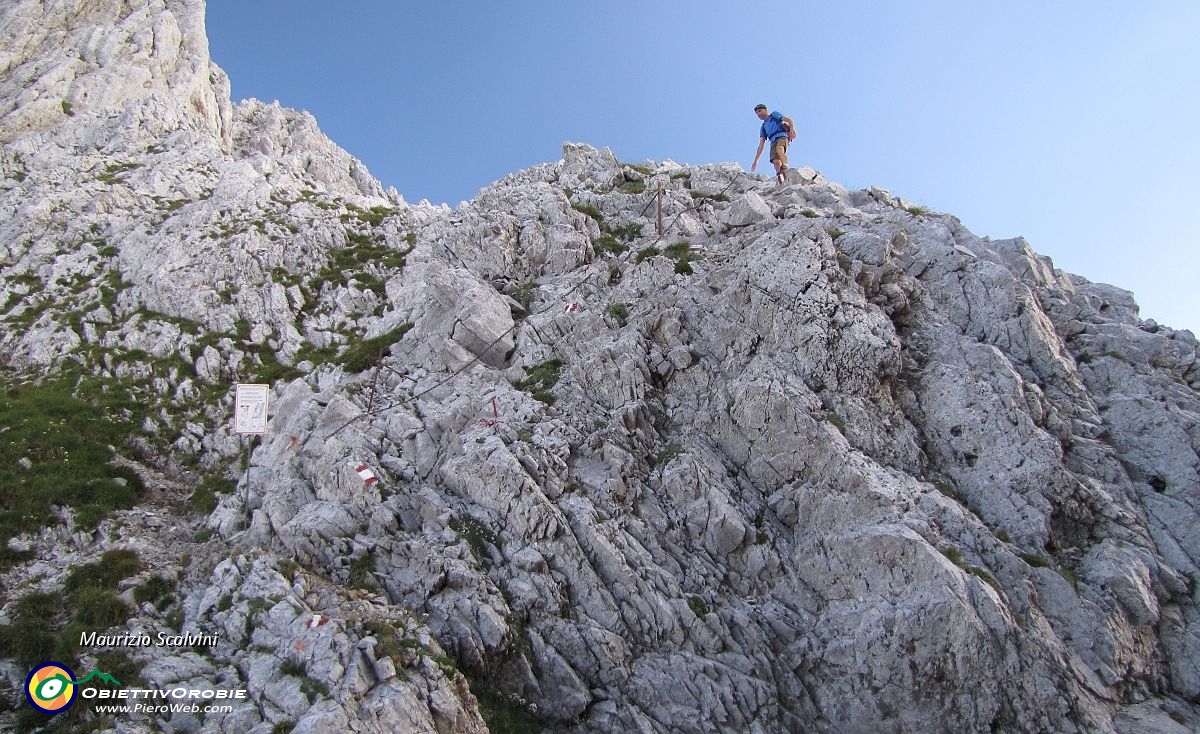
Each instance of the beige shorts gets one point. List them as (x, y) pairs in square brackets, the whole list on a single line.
[(779, 150)]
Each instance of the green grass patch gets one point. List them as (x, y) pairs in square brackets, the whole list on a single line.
[(187, 326), (590, 211), (361, 252), (115, 172), (110, 289), (317, 355), (30, 315), (119, 665), (627, 232), (1035, 560), (541, 379), (947, 489), (313, 689), (41, 628), (669, 452), (620, 312), (170, 205), (55, 450), (107, 573), (681, 253), (477, 535), (646, 253), (293, 668), (388, 642), (28, 280), (503, 713), (156, 590), (447, 664), (373, 216), (955, 556), (204, 499), (985, 577), (268, 369), (18, 172), (362, 572), (30, 638), (678, 250), (99, 609), (524, 294), (366, 353), (1069, 574), (373, 283), (610, 245)]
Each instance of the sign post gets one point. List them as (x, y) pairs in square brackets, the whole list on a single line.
[(660, 212), (250, 420)]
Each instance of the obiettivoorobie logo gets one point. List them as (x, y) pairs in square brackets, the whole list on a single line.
[(50, 687)]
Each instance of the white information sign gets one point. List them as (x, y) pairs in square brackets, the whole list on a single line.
[(250, 409)]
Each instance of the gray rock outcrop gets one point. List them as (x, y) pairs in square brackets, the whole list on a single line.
[(810, 460)]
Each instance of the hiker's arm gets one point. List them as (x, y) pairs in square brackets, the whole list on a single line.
[(758, 154)]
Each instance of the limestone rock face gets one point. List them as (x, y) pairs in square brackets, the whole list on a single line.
[(146, 61), (808, 460)]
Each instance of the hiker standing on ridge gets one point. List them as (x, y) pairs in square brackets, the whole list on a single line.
[(779, 129)]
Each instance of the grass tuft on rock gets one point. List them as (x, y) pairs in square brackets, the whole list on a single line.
[(366, 353), (540, 380), (56, 450)]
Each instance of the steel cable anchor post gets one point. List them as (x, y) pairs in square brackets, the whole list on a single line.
[(660, 209), (248, 455), (493, 422)]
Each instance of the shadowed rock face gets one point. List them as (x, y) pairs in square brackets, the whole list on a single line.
[(812, 460)]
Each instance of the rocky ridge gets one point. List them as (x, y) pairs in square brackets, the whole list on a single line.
[(811, 460)]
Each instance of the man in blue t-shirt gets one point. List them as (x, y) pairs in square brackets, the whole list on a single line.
[(779, 129)]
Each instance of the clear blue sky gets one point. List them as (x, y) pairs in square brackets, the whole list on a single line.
[(1074, 124)]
